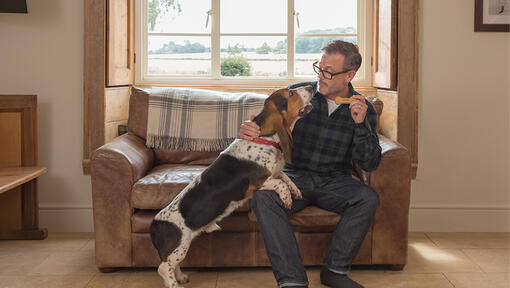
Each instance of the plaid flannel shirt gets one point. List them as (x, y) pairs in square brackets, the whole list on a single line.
[(328, 144)]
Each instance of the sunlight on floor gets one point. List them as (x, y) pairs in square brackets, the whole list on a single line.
[(432, 253)]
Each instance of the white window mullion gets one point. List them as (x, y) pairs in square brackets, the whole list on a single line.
[(215, 39), (326, 35), (144, 53), (253, 34), (362, 14), (290, 39), (177, 34)]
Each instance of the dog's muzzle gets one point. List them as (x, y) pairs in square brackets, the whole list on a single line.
[(305, 110)]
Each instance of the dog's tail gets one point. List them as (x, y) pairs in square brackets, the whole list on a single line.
[(165, 237)]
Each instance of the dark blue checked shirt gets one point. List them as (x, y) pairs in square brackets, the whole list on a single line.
[(328, 144)]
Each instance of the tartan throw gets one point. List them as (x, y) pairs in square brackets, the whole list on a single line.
[(197, 120)]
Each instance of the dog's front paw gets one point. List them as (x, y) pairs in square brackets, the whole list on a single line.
[(297, 194), (182, 278), (294, 190)]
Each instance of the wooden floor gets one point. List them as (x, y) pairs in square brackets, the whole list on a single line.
[(436, 260)]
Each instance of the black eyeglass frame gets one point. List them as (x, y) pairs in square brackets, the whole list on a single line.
[(318, 70)]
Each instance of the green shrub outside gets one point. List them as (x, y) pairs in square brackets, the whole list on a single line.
[(235, 66)]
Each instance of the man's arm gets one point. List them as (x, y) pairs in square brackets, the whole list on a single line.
[(366, 149)]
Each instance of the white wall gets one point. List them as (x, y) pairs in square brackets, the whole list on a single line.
[(462, 182), (42, 53)]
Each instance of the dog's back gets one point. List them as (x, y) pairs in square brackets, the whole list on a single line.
[(227, 180)]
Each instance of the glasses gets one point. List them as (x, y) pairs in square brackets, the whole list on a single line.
[(326, 74)]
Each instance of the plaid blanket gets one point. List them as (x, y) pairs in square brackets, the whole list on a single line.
[(197, 120)]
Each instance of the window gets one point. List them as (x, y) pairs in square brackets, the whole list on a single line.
[(243, 42)]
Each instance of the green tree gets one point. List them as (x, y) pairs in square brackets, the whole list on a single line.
[(156, 7), (264, 49), (188, 47), (281, 47), (235, 66)]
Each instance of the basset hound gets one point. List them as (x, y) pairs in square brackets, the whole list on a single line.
[(241, 169)]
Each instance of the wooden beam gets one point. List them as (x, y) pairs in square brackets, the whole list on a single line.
[(94, 78), (407, 79)]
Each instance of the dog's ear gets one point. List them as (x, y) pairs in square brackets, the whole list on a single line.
[(283, 129)]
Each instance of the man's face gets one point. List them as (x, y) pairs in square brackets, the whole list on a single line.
[(333, 63)]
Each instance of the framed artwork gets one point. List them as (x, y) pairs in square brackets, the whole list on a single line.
[(492, 15)]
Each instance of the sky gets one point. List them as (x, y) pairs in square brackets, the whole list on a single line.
[(253, 16)]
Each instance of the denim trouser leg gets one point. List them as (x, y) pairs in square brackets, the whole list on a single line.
[(281, 246), (356, 202), (353, 200)]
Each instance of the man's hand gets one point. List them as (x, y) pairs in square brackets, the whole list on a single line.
[(249, 129), (358, 109)]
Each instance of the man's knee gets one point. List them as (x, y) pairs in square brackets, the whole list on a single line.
[(370, 197), (262, 199)]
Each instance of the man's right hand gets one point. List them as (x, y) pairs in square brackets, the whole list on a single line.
[(249, 129)]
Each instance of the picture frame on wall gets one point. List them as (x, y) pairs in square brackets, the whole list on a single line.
[(492, 15)]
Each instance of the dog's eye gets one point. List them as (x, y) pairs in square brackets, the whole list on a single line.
[(290, 93)]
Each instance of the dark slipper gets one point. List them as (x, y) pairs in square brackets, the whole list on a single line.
[(335, 280)]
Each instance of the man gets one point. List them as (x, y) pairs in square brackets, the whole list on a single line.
[(324, 144)]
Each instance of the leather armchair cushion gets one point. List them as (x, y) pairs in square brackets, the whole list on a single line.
[(159, 187)]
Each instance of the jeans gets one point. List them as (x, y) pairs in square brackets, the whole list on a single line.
[(355, 201)]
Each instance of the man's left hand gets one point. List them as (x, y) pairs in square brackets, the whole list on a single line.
[(358, 109)]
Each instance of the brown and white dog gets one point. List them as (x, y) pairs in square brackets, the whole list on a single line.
[(244, 167)]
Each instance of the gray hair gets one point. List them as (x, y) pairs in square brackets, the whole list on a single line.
[(349, 50)]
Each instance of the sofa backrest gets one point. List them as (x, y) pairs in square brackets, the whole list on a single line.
[(137, 125)]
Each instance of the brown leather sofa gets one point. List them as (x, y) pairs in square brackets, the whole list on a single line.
[(131, 182)]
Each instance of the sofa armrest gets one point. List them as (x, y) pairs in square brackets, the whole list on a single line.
[(392, 181), (115, 167)]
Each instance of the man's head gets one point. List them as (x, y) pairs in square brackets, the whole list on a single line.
[(340, 58)]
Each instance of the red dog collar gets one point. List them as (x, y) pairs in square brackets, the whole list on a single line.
[(266, 142)]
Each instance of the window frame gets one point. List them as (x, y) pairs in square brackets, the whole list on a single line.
[(364, 32)]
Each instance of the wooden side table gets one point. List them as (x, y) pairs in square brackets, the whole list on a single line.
[(19, 207), (25, 180)]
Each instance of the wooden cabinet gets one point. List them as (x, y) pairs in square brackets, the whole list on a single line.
[(19, 207)]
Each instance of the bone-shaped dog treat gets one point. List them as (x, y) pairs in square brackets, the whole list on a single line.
[(341, 100)]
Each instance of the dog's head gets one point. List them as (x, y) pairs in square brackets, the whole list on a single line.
[(281, 111)]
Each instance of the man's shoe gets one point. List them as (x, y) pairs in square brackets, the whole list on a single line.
[(335, 280)]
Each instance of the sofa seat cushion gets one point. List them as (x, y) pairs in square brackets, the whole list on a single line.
[(159, 187), (314, 217), (237, 222), (310, 219)]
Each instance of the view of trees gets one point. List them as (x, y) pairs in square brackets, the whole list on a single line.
[(156, 7), (188, 47), (303, 44)]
